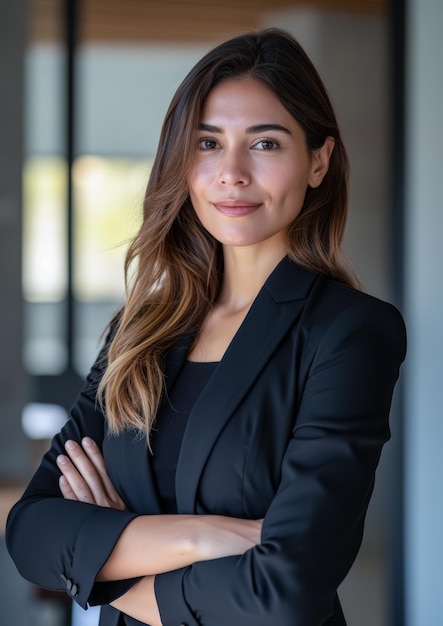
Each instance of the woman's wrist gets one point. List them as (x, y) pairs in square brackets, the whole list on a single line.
[(154, 544)]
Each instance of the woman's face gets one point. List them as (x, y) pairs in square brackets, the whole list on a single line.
[(252, 166)]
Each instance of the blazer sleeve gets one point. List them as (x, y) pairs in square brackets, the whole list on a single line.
[(62, 544), (313, 528)]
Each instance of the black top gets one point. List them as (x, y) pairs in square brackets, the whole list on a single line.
[(168, 434), (170, 427)]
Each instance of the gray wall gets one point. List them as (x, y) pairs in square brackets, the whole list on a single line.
[(13, 384), (424, 312), (14, 592)]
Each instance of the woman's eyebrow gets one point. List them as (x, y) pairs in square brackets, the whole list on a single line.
[(263, 128), (209, 128), (251, 130)]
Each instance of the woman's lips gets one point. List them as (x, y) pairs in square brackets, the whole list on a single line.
[(236, 208)]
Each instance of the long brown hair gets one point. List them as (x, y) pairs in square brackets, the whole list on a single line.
[(173, 267)]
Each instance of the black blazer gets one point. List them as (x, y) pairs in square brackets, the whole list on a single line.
[(289, 427)]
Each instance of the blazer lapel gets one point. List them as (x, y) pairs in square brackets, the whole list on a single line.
[(275, 310)]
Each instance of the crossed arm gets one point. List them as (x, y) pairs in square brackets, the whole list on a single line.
[(312, 528), (172, 541)]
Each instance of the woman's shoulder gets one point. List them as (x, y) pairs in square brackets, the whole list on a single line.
[(340, 310), (326, 300), (344, 297), (292, 281)]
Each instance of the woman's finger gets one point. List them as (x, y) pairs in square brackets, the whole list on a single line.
[(87, 472), (90, 465), (66, 488), (77, 488), (95, 455)]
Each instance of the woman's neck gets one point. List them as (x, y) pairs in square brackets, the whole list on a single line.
[(245, 272)]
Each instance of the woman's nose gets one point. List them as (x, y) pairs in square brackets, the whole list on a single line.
[(234, 169)]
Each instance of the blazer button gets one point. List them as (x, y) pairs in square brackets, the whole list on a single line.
[(68, 582), (71, 587)]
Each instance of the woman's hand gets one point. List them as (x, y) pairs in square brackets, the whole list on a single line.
[(84, 476), (150, 544)]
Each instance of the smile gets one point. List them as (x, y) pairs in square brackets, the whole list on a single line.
[(236, 208)]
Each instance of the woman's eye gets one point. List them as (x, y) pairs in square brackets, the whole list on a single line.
[(207, 144), (266, 144)]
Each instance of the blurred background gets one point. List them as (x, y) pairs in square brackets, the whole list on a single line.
[(84, 86)]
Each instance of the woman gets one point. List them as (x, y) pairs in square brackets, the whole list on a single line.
[(219, 462)]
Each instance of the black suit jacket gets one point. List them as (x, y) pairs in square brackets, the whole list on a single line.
[(289, 428)]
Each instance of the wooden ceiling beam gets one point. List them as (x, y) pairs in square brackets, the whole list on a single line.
[(171, 20)]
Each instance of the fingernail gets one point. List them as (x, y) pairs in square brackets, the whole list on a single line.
[(63, 480), (87, 441), (61, 459), (70, 445)]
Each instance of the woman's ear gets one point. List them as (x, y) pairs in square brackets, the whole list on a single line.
[(320, 162)]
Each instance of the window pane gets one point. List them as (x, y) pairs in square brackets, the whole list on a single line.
[(108, 196), (108, 201), (44, 262), (44, 273), (44, 230)]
